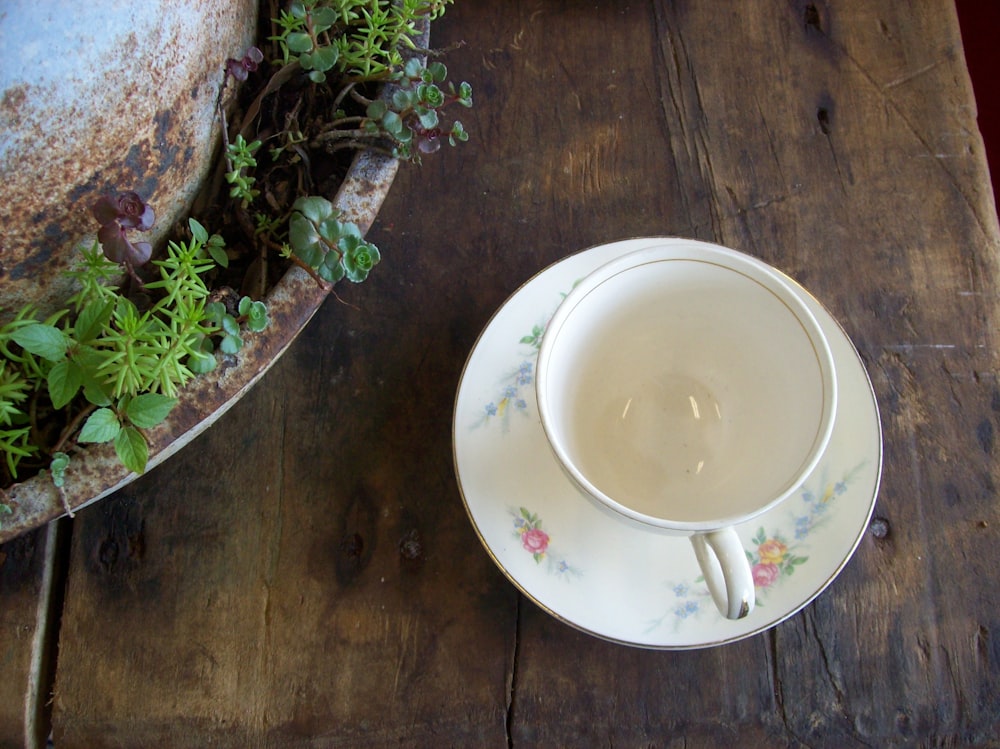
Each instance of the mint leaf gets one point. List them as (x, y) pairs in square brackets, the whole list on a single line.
[(46, 341), (149, 409), (101, 426), (64, 381), (132, 449)]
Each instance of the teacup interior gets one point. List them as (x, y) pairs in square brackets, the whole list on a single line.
[(686, 391)]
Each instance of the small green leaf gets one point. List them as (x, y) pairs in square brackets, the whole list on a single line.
[(101, 426), (218, 254), (465, 94), (332, 271), (401, 99), (314, 208), (64, 381), (201, 362), (376, 109), (437, 71), (257, 319), (149, 409), (430, 95), (132, 449), (299, 42), (199, 232), (413, 68), (302, 233), (323, 18), (230, 344), (331, 230), (429, 119), (91, 320), (58, 466), (96, 394), (230, 326), (392, 122), (215, 312), (46, 341), (457, 134), (325, 58)]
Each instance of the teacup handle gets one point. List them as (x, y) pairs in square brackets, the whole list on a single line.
[(727, 572)]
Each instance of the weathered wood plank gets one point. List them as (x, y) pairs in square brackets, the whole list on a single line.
[(302, 571), (838, 142), (30, 595)]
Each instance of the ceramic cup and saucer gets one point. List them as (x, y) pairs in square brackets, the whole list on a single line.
[(667, 443)]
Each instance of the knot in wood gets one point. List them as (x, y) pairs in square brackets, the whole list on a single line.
[(879, 528)]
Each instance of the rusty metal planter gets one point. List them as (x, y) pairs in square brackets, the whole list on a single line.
[(97, 472)]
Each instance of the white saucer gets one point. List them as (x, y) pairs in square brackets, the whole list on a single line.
[(610, 578)]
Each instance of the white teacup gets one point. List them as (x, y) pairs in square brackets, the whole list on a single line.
[(687, 387)]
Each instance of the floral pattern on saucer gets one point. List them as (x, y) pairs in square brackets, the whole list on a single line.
[(535, 541), (512, 394), (774, 556)]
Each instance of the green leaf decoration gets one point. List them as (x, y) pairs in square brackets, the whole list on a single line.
[(132, 449), (101, 426), (149, 409), (46, 341)]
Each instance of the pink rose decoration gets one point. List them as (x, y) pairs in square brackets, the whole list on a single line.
[(534, 540), (765, 574), (772, 552)]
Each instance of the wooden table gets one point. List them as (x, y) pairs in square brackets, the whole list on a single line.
[(305, 574)]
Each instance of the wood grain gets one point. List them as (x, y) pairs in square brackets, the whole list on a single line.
[(305, 574), (31, 581)]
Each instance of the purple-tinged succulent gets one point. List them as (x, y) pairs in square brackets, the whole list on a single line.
[(126, 208), (240, 69), (115, 214)]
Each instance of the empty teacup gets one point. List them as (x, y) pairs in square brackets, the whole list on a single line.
[(687, 387)]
